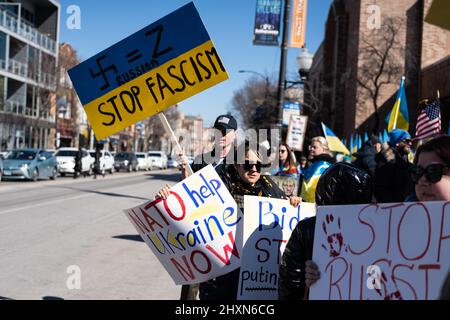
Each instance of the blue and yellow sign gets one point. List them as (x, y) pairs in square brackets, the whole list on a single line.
[(151, 70)]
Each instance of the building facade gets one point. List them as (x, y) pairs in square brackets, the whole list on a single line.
[(67, 102), (368, 46), (29, 35)]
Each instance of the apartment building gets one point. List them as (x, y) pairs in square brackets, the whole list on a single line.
[(29, 37)]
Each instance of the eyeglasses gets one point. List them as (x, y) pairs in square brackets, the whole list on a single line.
[(433, 173), (283, 151), (249, 166)]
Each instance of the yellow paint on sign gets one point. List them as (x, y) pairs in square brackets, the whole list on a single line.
[(157, 90)]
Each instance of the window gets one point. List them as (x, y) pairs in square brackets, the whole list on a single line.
[(2, 47)]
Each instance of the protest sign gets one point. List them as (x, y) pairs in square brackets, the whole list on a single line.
[(151, 70), (196, 232), (289, 185), (268, 225), (382, 251), (290, 109), (296, 132)]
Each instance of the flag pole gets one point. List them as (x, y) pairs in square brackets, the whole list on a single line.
[(394, 126), (170, 132)]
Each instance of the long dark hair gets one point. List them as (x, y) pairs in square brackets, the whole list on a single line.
[(291, 161), (439, 145)]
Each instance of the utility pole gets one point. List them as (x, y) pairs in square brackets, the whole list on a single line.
[(282, 76)]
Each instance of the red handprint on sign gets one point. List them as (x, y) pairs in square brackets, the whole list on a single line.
[(390, 289), (335, 240)]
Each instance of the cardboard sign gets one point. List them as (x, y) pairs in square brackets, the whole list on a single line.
[(289, 185), (268, 225), (382, 252), (296, 132), (290, 109), (195, 232), (151, 70)]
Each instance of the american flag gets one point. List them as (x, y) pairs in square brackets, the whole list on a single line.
[(429, 121)]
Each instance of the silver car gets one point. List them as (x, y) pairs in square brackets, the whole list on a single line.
[(29, 164)]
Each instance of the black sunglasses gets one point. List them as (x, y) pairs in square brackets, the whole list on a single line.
[(249, 166), (433, 173)]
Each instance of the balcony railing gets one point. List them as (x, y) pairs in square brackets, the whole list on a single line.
[(18, 108), (27, 31), (21, 69), (11, 106)]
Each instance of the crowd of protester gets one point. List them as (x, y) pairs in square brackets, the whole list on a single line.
[(378, 172)]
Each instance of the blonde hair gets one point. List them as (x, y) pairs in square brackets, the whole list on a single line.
[(323, 142)]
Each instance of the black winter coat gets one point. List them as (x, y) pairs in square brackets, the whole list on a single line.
[(299, 249), (365, 158), (226, 287), (392, 181)]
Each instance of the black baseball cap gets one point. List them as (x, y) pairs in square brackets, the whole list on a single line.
[(226, 122)]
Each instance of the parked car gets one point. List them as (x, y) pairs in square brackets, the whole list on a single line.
[(1, 169), (172, 162), (29, 164), (158, 159), (125, 161), (106, 161), (66, 161), (144, 162)]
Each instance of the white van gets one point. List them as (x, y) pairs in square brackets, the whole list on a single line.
[(158, 159)]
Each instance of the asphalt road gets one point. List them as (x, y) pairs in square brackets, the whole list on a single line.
[(69, 239)]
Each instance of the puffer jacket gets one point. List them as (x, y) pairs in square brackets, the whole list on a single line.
[(299, 249)]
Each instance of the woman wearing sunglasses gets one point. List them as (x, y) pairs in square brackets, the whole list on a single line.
[(246, 181), (288, 163), (431, 170)]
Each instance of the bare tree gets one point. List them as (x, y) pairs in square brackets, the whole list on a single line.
[(381, 65), (256, 104)]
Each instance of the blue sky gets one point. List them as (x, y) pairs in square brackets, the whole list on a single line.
[(230, 25)]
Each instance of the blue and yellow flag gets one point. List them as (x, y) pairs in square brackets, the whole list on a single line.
[(385, 136), (366, 137), (399, 117), (311, 178), (334, 143)]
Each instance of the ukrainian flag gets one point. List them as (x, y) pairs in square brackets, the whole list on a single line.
[(399, 118), (366, 137), (311, 178), (334, 143), (353, 147)]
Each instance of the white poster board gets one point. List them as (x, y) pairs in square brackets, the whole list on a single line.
[(296, 132), (268, 225), (382, 252), (290, 109), (195, 232)]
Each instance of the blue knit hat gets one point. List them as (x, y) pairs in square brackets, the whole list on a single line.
[(396, 136)]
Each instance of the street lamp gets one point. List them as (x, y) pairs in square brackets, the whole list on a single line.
[(304, 62)]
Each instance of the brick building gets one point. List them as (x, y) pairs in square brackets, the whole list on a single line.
[(67, 103), (345, 80)]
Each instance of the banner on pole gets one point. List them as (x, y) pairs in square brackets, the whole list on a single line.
[(382, 251), (268, 225), (196, 232), (298, 30), (148, 72), (267, 22)]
